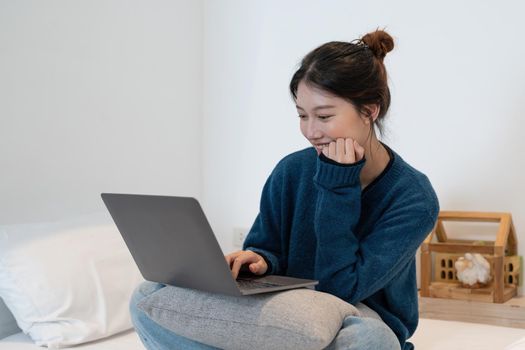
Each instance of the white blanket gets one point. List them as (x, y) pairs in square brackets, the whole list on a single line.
[(128, 340)]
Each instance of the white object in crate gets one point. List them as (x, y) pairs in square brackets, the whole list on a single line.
[(472, 269)]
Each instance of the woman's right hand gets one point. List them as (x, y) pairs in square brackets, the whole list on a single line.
[(255, 262), (344, 151)]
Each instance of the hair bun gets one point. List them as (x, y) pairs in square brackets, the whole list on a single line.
[(380, 42)]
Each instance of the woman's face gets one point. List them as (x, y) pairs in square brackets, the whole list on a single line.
[(321, 124)]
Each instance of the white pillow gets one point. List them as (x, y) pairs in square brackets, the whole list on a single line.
[(293, 319), (67, 282)]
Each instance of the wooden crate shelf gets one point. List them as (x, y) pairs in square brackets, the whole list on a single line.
[(441, 281)]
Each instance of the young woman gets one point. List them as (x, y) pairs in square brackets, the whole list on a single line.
[(349, 211)]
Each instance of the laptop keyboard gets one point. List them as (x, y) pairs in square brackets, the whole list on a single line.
[(253, 284)]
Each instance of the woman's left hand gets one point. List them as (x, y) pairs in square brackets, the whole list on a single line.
[(344, 151)]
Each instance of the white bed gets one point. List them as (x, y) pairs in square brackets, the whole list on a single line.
[(430, 335), (39, 269), (127, 340), (451, 335)]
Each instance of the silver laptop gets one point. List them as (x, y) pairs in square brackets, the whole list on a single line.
[(172, 243)]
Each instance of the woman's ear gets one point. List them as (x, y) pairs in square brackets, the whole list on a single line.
[(372, 111)]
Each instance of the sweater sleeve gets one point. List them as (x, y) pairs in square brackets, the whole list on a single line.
[(265, 236), (351, 268)]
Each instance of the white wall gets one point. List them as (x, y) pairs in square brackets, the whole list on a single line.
[(456, 77), (97, 96), (108, 96)]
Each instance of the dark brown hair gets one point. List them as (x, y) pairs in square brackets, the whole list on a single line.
[(351, 70)]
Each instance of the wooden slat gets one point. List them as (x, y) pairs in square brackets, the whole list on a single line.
[(429, 237), (509, 314), (450, 290), (499, 279), (470, 216), (426, 272), (503, 232), (460, 248), (512, 244), (470, 241), (440, 232)]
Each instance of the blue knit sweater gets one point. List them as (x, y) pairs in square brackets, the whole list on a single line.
[(316, 222)]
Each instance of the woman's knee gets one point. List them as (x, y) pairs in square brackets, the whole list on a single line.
[(386, 336), (143, 290), (380, 336), (365, 333)]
